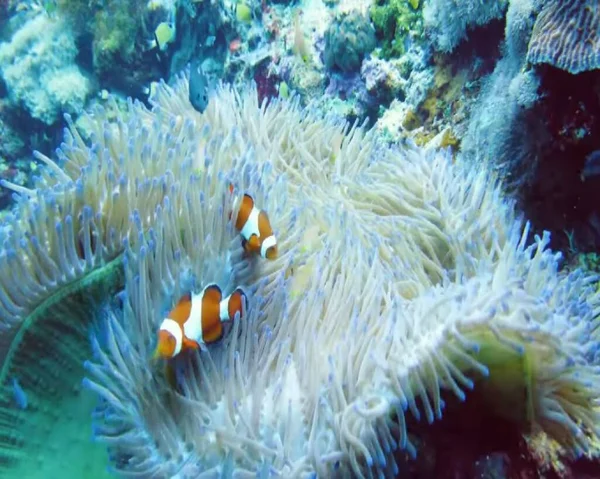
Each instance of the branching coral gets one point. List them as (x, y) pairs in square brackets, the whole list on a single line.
[(403, 278)]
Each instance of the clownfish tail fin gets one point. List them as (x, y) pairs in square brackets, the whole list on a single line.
[(236, 302), (243, 301)]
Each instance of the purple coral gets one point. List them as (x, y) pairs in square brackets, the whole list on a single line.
[(567, 35)]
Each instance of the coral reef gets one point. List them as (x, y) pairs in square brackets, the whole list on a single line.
[(205, 33), (38, 67), (397, 23), (383, 80), (493, 127), (566, 35), (115, 33), (347, 40), (448, 22), (537, 136)]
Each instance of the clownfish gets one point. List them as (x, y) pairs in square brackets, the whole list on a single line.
[(197, 320), (255, 227)]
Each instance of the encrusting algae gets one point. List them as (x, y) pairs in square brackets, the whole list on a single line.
[(401, 279)]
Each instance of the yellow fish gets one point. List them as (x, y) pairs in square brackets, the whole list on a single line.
[(163, 35)]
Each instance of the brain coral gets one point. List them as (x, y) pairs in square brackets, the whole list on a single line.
[(403, 279), (567, 35)]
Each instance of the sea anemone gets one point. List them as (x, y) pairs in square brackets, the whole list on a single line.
[(403, 279)]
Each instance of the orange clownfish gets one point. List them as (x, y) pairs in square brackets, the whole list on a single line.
[(255, 228), (197, 320)]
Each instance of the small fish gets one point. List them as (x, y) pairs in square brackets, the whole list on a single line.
[(198, 87), (197, 320), (591, 167), (150, 90), (19, 395), (255, 227), (163, 35)]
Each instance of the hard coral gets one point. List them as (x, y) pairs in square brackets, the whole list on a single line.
[(116, 31), (347, 40), (38, 67), (567, 35)]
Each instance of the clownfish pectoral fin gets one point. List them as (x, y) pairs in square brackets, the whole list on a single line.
[(156, 355), (185, 298), (253, 245)]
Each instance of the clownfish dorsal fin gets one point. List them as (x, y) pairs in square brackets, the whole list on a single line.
[(185, 297), (181, 312), (212, 293)]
